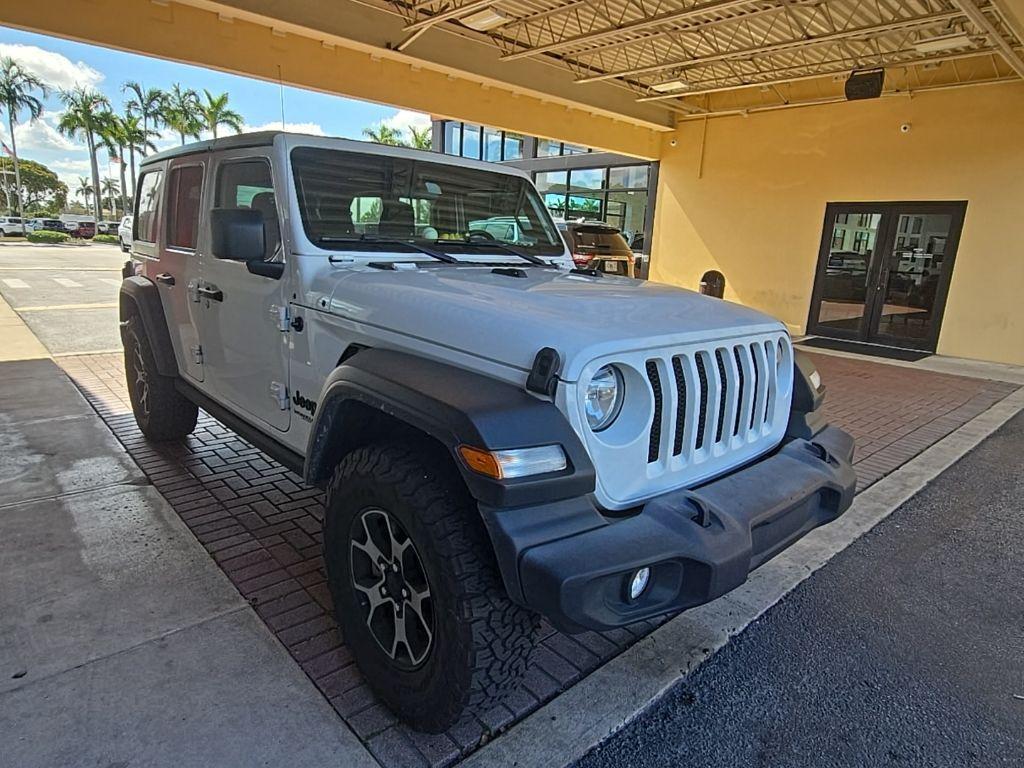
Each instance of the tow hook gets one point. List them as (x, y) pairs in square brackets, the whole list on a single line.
[(822, 453)]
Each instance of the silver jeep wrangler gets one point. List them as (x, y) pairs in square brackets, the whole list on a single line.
[(501, 436)]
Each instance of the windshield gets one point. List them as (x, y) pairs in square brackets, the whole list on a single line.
[(350, 199)]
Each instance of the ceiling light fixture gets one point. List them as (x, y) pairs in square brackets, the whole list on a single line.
[(671, 85), (481, 21), (944, 43)]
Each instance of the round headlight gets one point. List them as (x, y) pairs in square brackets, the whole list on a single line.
[(603, 398)]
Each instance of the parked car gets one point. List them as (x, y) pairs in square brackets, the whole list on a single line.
[(83, 229), (501, 436), (124, 233), (596, 245), (11, 226), (504, 228), (52, 225), (107, 227)]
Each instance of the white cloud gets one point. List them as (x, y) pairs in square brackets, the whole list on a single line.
[(55, 70), (165, 139), (69, 169), (313, 129), (67, 165), (39, 135), (404, 119)]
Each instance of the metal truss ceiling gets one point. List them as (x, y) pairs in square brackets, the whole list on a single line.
[(671, 51)]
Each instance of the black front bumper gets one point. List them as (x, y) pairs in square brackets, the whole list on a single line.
[(573, 565)]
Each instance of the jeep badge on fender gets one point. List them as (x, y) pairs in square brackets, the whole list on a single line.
[(501, 437)]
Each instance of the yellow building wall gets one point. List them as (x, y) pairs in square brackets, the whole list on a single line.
[(752, 203)]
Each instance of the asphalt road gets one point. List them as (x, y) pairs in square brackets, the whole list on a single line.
[(906, 650), (67, 295)]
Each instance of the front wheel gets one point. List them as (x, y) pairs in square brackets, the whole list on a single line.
[(416, 588), (161, 412)]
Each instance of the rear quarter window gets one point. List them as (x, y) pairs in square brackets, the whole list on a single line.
[(147, 206)]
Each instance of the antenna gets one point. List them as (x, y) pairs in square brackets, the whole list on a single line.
[(280, 85)]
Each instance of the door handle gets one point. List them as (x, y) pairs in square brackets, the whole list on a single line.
[(211, 292), (166, 278)]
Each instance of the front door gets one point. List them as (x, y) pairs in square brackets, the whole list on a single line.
[(884, 272), (244, 336)]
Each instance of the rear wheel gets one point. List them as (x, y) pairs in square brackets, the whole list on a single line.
[(416, 588), (161, 412)]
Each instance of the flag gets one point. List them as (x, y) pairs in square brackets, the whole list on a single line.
[(7, 149), (115, 160)]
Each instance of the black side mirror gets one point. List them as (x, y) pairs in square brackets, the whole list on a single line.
[(237, 234)]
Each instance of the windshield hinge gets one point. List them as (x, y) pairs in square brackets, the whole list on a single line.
[(281, 317), (279, 392), (543, 378)]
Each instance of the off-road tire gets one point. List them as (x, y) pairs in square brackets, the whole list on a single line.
[(482, 641), (163, 413)]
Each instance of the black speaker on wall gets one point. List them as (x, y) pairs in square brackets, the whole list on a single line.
[(865, 85)]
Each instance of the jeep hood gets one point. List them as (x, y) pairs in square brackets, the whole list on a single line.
[(507, 319)]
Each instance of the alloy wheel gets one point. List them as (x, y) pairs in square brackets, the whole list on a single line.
[(141, 384), (392, 589)]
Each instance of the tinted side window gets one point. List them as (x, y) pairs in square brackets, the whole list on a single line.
[(146, 207), (186, 186), (599, 240), (248, 184)]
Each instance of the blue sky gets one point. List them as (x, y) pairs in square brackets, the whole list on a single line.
[(64, 64)]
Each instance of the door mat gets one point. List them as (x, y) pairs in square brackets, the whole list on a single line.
[(860, 348)]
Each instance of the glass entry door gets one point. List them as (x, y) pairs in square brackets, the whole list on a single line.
[(884, 271)]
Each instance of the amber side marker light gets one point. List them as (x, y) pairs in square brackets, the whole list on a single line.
[(516, 462)]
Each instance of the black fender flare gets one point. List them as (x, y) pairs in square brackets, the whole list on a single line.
[(454, 407), (806, 415), (140, 296)]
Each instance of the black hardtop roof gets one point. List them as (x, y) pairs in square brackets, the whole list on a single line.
[(237, 141), (268, 138)]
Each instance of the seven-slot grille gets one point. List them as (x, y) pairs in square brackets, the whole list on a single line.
[(713, 398)]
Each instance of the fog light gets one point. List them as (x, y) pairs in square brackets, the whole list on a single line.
[(638, 583)]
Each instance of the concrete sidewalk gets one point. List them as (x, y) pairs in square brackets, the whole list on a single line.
[(121, 641), (19, 343)]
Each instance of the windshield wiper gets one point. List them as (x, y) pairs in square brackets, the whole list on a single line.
[(390, 241), (500, 246)]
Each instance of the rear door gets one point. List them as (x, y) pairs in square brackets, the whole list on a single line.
[(243, 317), (179, 275), (164, 229)]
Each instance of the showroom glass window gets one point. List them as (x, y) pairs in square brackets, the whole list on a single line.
[(615, 195), (480, 143)]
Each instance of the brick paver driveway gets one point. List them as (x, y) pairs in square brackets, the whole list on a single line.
[(263, 528)]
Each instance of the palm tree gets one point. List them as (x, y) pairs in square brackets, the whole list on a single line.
[(113, 137), (111, 190), (180, 111), (147, 103), (137, 138), (215, 112), (83, 118), (85, 190), (16, 87), (384, 134), (422, 138)]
